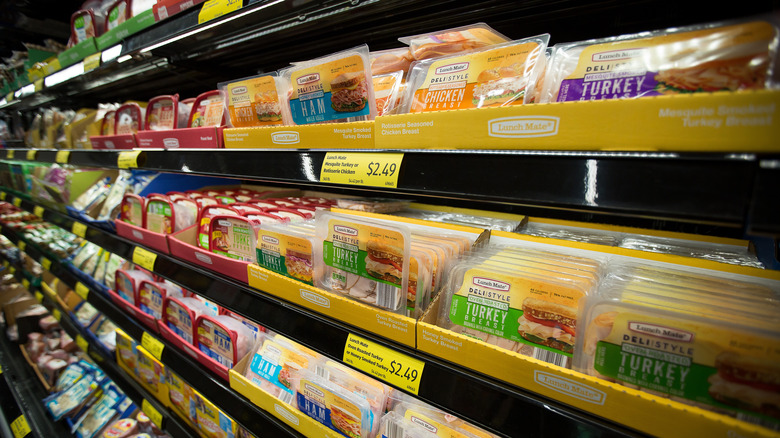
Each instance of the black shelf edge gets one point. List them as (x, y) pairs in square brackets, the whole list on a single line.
[(503, 407), (674, 191)]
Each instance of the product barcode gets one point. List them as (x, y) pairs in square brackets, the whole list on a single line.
[(394, 430), (387, 296), (286, 397), (321, 371), (752, 419), (551, 357)]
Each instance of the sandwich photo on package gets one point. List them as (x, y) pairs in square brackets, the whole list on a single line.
[(680, 61), (498, 75), (335, 88)]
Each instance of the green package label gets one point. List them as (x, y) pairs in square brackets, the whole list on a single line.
[(486, 315), (348, 258), (272, 261)]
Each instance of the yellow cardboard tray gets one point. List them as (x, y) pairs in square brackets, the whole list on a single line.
[(265, 401), (635, 409), (714, 122), (353, 135), (158, 389), (392, 326)]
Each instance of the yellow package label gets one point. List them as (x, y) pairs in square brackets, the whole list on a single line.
[(330, 91), (285, 254), (723, 58), (254, 102), (528, 310), (356, 252), (332, 410), (487, 78), (710, 364)]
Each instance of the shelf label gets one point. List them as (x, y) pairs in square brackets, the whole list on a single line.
[(152, 413), (5, 263), (22, 245), (2, 196), (82, 343), (82, 290), (38, 211), (32, 154), (152, 345), (46, 263), (92, 62), (384, 363), (361, 169), (26, 283), (62, 157), (39, 297), (128, 159), (38, 85), (12, 270), (216, 8), (20, 428), (79, 229), (10, 154), (18, 202), (57, 314), (144, 258)]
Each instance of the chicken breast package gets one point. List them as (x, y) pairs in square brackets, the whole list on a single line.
[(254, 101), (363, 259), (287, 250), (451, 41), (497, 75), (681, 342), (274, 363), (334, 88), (693, 59)]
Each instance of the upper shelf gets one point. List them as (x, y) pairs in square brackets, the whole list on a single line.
[(179, 55)]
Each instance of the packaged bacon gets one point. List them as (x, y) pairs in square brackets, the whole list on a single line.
[(693, 59)]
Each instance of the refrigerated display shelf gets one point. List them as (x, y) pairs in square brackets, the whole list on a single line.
[(674, 191), (503, 408), (203, 380)]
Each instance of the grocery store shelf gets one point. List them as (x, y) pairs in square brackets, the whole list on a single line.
[(503, 408), (674, 191), (21, 393)]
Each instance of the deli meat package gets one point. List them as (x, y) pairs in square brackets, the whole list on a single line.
[(521, 299), (706, 339), (704, 58), (451, 41)]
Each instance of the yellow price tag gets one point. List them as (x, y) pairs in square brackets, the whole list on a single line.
[(9, 97), (361, 169), (26, 283), (32, 154), (10, 154), (22, 245), (384, 363), (152, 345), (39, 297), (18, 202), (92, 62), (152, 413), (144, 258), (46, 263), (12, 270), (79, 229), (38, 85), (5, 263), (82, 343), (216, 8), (81, 290), (20, 428), (57, 314), (38, 211), (2, 196), (62, 157), (128, 159)]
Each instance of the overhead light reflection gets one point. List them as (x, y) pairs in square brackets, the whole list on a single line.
[(308, 167), (124, 58), (111, 53), (64, 75), (590, 182)]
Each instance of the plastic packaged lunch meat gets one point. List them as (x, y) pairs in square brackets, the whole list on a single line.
[(396, 426), (164, 216), (212, 422), (224, 339), (497, 75), (162, 113), (207, 110), (234, 237), (367, 387), (108, 125), (333, 406), (703, 250), (180, 315), (151, 296), (692, 59), (274, 363), (180, 394), (387, 91), (85, 24), (451, 41), (133, 210), (391, 60), (129, 119), (207, 212), (128, 283), (119, 12), (334, 88), (363, 259), (287, 250), (254, 101), (440, 423), (679, 341)]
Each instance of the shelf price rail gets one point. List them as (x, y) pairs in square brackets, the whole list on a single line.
[(503, 408)]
